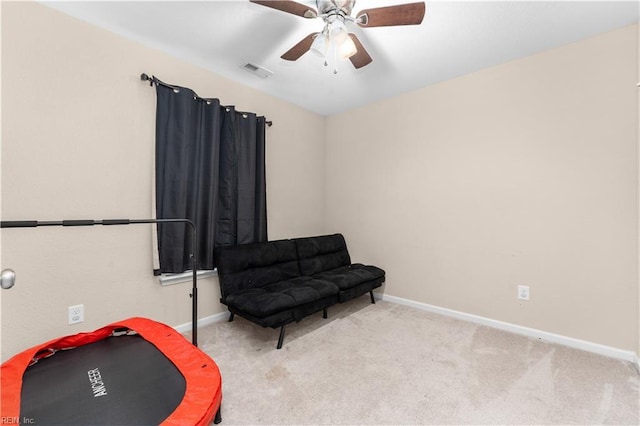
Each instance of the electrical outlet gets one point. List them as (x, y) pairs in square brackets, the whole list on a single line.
[(523, 292), (76, 314)]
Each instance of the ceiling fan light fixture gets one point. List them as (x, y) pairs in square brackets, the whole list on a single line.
[(348, 48), (320, 45), (338, 31)]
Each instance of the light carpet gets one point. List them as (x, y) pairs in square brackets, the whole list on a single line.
[(392, 364)]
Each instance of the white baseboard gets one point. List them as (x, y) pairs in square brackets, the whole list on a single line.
[(222, 316), (518, 329)]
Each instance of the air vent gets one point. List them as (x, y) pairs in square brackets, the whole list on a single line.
[(257, 70)]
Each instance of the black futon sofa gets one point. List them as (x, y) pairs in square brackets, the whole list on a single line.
[(277, 282)]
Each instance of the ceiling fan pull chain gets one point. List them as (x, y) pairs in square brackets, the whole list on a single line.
[(326, 53), (329, 44)]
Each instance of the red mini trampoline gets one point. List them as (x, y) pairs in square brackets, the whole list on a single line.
[(135, 371), (131, 372)]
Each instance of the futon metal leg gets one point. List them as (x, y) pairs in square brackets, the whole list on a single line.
[(281, 338), (373, 300), (218, 418), (231, 316), (324, 313)]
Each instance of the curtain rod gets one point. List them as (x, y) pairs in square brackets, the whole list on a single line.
[(151, 80)]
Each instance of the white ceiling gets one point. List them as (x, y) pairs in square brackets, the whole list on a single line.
[(454, 39)]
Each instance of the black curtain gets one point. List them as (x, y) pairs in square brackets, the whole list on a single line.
[(210, 168)]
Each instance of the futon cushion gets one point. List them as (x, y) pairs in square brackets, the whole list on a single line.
[(276, 297), (247, 266), (350, 276), (323, 253)]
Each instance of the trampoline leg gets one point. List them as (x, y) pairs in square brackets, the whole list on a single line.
[(231, 315), (324, 313), (218, 418), (281, 338), (373, 300)]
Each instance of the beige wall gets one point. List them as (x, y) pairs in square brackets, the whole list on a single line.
[(77, 142), (524, 173)]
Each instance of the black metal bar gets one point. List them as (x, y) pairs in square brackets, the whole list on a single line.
[(90, 222), (324, 313), (78, 223), (281, 338), (231, 316), (373, 300), (107, 222), (19, 224), (218, 417)]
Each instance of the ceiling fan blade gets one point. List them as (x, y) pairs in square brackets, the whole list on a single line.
[(361, 58), (299, 49), (402, 14), (289, 6)]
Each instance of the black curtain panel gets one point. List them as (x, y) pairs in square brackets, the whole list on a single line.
[(210, 168), (242, 193)]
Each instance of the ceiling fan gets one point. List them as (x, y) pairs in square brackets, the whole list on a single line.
[(335, 37)]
